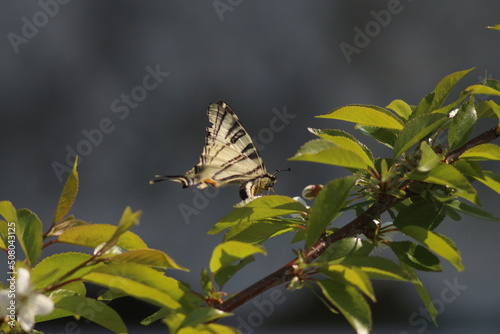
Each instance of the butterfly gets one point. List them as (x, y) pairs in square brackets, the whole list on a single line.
[(229, 156)]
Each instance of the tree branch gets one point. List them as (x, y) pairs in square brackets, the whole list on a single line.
[(357, 226)]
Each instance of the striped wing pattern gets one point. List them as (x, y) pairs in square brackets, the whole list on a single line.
[(229, 156)]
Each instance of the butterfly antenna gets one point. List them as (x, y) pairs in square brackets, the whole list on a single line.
[(282, 170)]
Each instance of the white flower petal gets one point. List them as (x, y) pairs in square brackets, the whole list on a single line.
[(26, 320), (41, 304), (23, 285)]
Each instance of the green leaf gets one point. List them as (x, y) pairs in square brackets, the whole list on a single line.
[(258, 208), (256, 232), (415, 255), (327, 206), (482, 152), (483, 90), (425, 214), (202, 315), (470, 210), (229, 252), (447, 175), (423, 293), (94, 311), (139, 281), (401, 108), (52, 268), (347, 141), (462, 125), (429, 158), (377, 267), (68, 194), (469, 168), (148, 257), (490, 180), (424, 106), (416, 130), (208, 329), (350, 275), (438, 243), (444, 87), (386, 137), (8, 212), (346, 247), (95, 234), (436, 98), (224, 274), (366, 115), (127, 221), (29, 234), (349, 302), (326, 152)]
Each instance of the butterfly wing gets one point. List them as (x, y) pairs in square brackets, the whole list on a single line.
[(229, 156)]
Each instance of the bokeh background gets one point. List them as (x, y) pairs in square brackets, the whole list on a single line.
[(62, 78)]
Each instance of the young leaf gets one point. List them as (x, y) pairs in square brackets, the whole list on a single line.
[(327, 206), (8, 212), (345, 140), (52, 268), (471, 210), (208, 329), (127, 220), (416, 130), (401, 108), (429, 158), (138, 281), (350, 275), (462, 125), (377, 267), (94, 311), (350, 303), (68, 194), (229, 252), (447, 175), (148, 257), (95, 234), (258, 208), (415, 255), (483, 90), (202, 315), (444, 87), (366, 115), (438, 243), (256, 232), (326, 152), (386, 137), (482, 152), (29, 234)]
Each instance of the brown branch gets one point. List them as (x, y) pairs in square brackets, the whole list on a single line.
[(357, 226), (483, 138)]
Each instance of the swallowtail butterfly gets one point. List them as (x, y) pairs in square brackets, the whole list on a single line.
[(229, 156)]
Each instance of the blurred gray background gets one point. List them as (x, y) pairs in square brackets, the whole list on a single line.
[(68, 66)]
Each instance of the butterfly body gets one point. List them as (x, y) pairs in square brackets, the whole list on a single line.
[(229, 157)]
